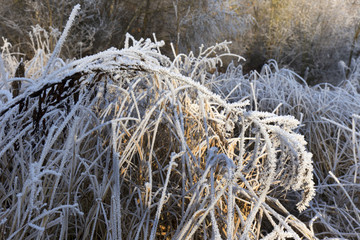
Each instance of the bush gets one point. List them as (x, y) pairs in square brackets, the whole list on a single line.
[(129, 144)]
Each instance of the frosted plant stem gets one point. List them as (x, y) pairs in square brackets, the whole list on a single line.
[(11, 143), (354, 148), (68, 145), (356, 210), (204, 114), (199, 87), (212, 212), (183, 163), (204, 213), (45, 214), (162, 199), (148, 185), (61, 41), (52, 138), (156, 41), (116, 208), (3, 73), (253, 89), (271, 172), (273, 212), (230, 213), (341, 126)]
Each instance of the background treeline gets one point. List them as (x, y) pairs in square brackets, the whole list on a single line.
[(317, 39)]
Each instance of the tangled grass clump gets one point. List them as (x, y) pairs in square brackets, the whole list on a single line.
[(128, 144), (330, 123)]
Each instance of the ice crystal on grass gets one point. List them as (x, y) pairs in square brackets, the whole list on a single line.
[(128, 144)]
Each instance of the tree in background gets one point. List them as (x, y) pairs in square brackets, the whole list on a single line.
[(311, 37), (104, 23)]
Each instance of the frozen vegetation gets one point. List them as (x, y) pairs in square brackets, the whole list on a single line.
[(128, 144)]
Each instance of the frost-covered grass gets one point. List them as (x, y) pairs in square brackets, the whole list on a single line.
[(128, 144), (330, 123)]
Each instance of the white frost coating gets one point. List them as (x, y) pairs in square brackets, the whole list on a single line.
[(41, 229), (3, 221), (7, 95)]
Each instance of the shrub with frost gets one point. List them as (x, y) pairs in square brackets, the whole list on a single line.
[(129, 144)]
